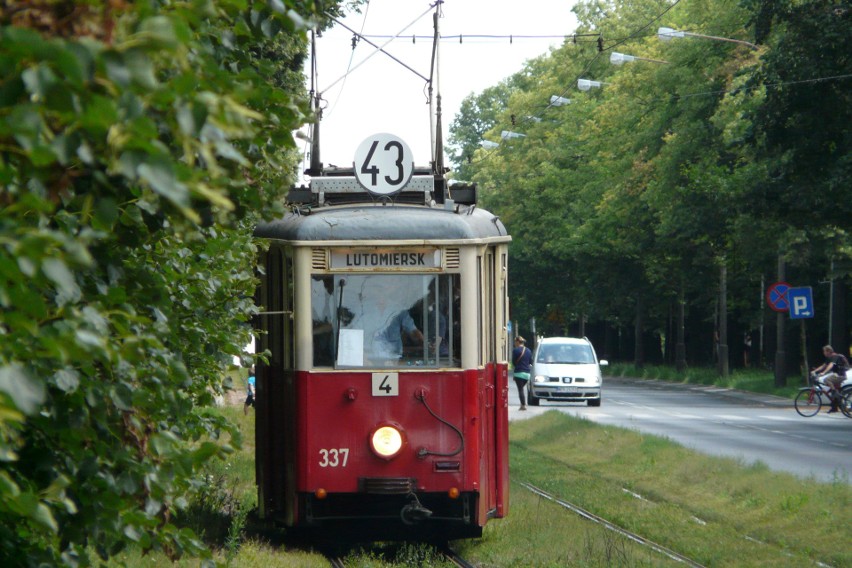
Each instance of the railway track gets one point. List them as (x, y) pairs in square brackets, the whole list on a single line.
[(444, 550), (453, 557), (659, 548)]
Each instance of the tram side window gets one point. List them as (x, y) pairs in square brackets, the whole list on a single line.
[(277, 305), (386, 320)]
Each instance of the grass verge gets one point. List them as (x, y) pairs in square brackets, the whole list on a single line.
[(716, 511), (751, 380)]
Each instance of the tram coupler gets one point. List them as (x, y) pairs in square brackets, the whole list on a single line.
[(414, 512)]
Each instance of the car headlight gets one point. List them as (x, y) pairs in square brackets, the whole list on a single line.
[(540, 379), (386, 441)]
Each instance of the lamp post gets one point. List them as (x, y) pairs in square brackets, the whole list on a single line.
[(558, 101), (621, 58), (506, 134), (667, 34), (586, 84)]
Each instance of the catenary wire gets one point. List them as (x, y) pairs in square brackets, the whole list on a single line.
[(379, 49), (351, 59)]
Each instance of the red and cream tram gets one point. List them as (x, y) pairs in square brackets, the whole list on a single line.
[(383, 409)]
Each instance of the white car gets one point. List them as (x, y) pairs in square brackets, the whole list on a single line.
[(565, 369)]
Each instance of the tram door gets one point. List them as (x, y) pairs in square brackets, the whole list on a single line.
[(501, 388), (491, 315), (274, 431)]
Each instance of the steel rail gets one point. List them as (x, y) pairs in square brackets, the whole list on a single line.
[(615, 528), (454, 557)]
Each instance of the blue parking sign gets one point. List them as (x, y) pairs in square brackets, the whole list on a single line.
[(801, 302)]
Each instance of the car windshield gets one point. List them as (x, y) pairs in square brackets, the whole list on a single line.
[(565, 354)]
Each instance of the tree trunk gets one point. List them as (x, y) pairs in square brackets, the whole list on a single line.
[(724, 369), (680, 348), (639, 349), (780, 355)]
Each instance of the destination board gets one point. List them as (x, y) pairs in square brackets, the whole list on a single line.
[(396, 259)]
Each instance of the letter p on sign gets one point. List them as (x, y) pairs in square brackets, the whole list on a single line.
[(801, 302)]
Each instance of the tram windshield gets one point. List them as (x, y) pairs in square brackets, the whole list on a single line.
[(386, 320)]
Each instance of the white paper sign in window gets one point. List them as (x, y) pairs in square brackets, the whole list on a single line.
[(350, 350)]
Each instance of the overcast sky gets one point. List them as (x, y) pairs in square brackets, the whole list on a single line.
[(381, 95)]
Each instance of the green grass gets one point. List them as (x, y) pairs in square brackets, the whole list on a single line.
[(716, 511), (540, 533), (752, 380)]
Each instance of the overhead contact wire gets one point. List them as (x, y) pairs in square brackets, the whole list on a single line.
[(379, 49)]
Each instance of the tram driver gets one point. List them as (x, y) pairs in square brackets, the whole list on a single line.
[(418, 333), (388, 342)]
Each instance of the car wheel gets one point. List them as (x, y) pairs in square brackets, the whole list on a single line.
[(532, 399), (594, 402)]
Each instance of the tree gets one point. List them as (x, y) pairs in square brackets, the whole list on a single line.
[(644, 193), (139, 143)]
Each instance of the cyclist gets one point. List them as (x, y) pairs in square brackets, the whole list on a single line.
[(832, 373)]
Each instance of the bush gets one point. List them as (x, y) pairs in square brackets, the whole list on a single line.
[(137, 141)]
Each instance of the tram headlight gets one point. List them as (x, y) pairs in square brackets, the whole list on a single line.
[(386, 441)]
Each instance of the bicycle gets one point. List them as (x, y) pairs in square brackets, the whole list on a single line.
[(846, 401), (809, 401)]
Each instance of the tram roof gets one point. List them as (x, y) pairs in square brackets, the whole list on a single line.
[(376, 222)]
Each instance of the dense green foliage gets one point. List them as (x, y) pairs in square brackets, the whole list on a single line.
[(714, 159), (139, 142)]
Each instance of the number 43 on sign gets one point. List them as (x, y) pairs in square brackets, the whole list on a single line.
[(383, 164)]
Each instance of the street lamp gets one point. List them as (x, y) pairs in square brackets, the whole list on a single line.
[(586, 84), (509, 134), (559, 101), (667, 34), (488, 144), (620, 58)]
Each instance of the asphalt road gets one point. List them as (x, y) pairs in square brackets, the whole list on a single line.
[(723, 422)]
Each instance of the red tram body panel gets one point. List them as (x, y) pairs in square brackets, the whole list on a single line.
[(382, 410)]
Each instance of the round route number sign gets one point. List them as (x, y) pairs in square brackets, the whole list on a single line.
[(383, 164)]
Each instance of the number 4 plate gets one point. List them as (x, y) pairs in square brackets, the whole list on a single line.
[(385, 384)]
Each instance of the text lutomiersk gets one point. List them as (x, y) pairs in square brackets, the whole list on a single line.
[(365, 259)]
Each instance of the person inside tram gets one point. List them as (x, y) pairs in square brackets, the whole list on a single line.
[(388, 342), (423, 311), (415, 333)]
